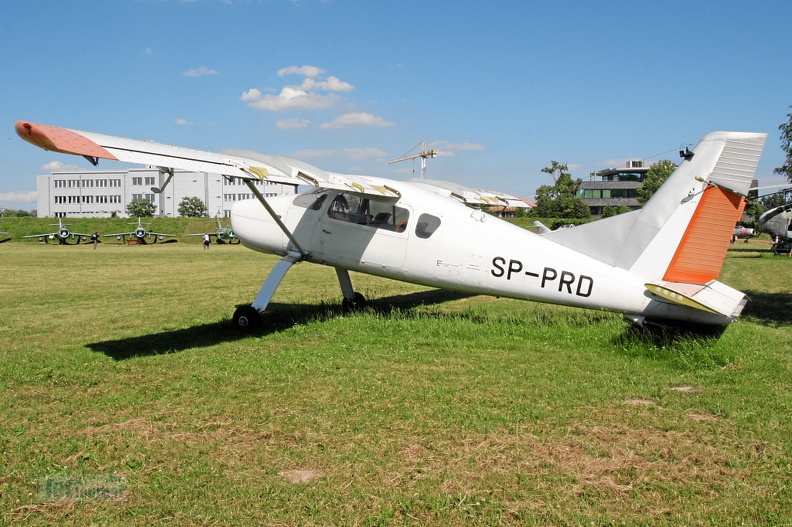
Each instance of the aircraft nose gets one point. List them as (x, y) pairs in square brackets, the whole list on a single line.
[(255, 228)]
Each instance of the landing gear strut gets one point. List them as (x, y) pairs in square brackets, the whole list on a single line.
[(353, 301), (248, 317)]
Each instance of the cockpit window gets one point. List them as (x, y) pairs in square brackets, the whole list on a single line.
[(371, 211), (426, 225), (312, 200)]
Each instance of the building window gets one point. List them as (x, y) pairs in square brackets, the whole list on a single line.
[(137, 181), (149, 181)]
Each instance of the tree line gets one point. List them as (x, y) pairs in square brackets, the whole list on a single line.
[(561, 199)]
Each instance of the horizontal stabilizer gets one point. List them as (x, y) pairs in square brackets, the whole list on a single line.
[(713, 297)]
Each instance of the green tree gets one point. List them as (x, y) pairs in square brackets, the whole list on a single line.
[(655, 176), (753, 208), (786, 146), (560, 199), (141, 208), (192, 207), (771, 201)]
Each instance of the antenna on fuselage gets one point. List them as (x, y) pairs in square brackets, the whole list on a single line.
[(423, 154)]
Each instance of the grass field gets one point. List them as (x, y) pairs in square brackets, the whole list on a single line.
[(127, 399)]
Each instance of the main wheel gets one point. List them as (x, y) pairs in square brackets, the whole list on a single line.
[(247, 318), (354, 305)]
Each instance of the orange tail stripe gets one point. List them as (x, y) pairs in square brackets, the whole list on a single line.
[(61, 140), (701, 252)]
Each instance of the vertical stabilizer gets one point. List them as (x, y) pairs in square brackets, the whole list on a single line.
[(683, 231)]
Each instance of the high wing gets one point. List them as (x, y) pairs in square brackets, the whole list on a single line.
[(241, 164), (471, 196)]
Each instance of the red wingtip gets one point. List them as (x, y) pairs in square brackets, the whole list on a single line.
[(60, 140)]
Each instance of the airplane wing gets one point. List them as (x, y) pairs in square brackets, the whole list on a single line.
[(241, 164), (120, 234), (470, 195), (41, 235)]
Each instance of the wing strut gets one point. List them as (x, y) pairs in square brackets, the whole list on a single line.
[(168, 171), (260, 197)]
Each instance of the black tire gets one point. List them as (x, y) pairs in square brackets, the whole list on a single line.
[(354, 305), (247, 318)]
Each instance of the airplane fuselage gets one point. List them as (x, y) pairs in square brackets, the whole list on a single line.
[(441, 243)]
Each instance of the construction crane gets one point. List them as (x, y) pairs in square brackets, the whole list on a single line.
[(423, 154)]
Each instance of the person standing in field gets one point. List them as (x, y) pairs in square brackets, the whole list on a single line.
[(206, 240), (95, 239)]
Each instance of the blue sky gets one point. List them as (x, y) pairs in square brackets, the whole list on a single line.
[(499, 88)]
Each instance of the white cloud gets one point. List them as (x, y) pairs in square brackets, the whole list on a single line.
[(26, 196), (305, 71), (357, 119), (313, 93), (291, 124), (290, 98), (183, 122), (59, 166), (448, 149), (200, 72), (331, 84), (345, 153)]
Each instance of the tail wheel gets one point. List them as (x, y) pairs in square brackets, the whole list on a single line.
[(247, 318)]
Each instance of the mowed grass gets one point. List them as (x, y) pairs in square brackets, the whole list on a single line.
[(127, 399)]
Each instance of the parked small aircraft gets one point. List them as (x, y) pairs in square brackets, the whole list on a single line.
[(777, 223), (743, 233), (222, 234), (141, 234), (63, 234), (656, 265)]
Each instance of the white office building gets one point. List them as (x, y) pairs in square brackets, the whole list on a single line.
[(102, 193)]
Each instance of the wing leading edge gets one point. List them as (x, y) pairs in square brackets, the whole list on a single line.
[(241, 164)]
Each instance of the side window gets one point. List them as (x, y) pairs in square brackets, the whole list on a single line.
[(378, 213), (311, 200), (426, 225)]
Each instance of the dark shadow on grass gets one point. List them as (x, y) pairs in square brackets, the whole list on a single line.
[(769, 309), (278, 317)]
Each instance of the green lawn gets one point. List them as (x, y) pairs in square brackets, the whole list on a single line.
[(127, 399)]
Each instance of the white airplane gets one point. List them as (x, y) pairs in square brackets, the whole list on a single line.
[(140, 233), (657, 265), (63, 234)]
